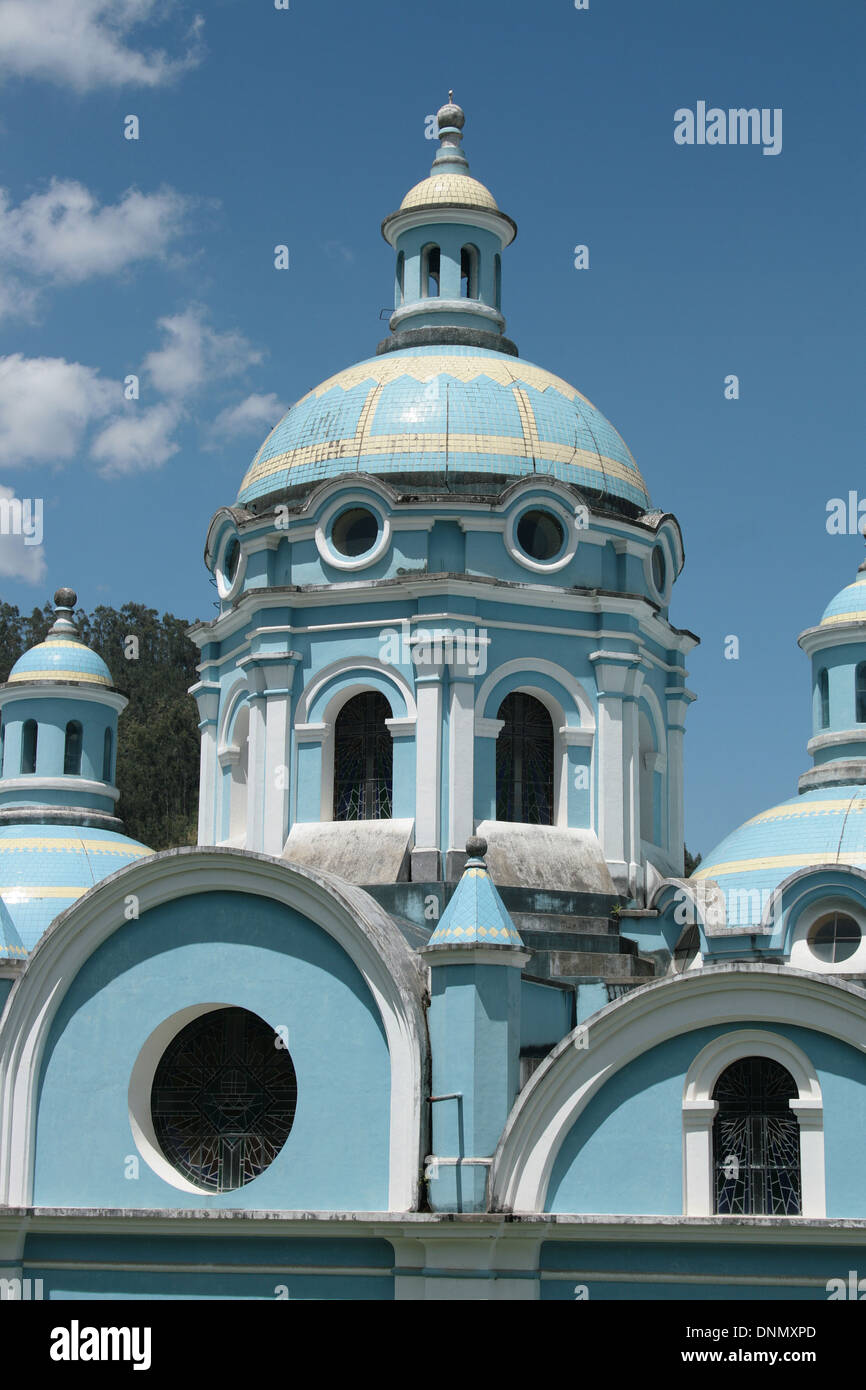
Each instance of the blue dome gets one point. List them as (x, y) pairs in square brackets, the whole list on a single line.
[(823, 826), (442, 411), (60, 658), (849, 605), (45, 868)]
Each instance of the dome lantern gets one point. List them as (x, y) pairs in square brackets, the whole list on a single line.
[(58, 730), (837, 647), (449, 235)]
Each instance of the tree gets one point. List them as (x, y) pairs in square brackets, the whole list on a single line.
[(691, 860)]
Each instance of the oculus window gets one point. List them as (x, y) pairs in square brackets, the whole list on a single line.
[(223, 1099)]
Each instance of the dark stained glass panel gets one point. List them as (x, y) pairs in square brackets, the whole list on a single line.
[(363, 759), (524, 761), (756, 1141), (223, 1099)]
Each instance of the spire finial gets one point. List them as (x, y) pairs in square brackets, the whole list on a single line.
[(450, 119), (64, 623)]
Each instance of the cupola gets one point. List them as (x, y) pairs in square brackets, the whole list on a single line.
[(58, 730), (837, 647), (449, 235)]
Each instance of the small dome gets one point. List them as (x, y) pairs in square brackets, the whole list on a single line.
[(453, 190), (45, 868), (61, 659), (849, 605), (823, 826), (449, 411)]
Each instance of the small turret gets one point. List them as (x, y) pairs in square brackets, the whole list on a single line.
[(837, 647), (476, 957), (58, 745), (449, 235)]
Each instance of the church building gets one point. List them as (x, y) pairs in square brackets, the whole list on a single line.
[(432, 1011)]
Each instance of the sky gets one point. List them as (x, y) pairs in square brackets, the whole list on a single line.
[(304, 126)]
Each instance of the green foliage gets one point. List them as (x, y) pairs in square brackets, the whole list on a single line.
[(158, 739), (692, 861)]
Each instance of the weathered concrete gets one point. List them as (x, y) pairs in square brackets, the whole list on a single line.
[(545, 856), (359, 851)]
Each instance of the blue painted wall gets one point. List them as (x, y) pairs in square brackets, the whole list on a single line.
[(238, 950)]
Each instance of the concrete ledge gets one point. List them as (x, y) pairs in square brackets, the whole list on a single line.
[(359, 851), (545, 856)]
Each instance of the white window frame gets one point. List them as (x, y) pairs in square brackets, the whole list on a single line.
[(699, 1112)]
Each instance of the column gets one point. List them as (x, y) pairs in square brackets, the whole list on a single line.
[(207, 695), (426, 865), (618, 681), (271, 678)]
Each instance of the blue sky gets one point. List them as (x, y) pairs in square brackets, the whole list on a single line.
[(305, 126)]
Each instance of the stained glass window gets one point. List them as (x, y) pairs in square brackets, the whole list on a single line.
[(363, 759), (524, 761), (223, 1099), (756, 1140)]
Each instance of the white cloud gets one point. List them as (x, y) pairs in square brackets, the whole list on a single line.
[(65, 235), (86, 44), (16, 300), (137, 442), (255, 413), (18, 558), (46, 406), (194, 354)]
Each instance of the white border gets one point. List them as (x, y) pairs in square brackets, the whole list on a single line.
[(516, 551), (345, 503)]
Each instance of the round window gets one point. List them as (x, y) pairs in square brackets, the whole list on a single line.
[(232, 559), (223, 1099), (660, 569), (540, 534), (355, 531), (835, 938)]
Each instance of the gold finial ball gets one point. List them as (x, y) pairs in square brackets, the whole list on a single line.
[(450, 114), (65, 598)]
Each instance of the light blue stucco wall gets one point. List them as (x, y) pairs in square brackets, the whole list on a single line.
[(236, 950), (624, 1154)]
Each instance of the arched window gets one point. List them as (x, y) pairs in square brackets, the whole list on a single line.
[(860, 693), (497, 280), (756, 1140), (363, 759), (107, 750), (29, 739), (72, 750), (469, 272), (524, 761), (430, 272), (824, 697), (401, 271)]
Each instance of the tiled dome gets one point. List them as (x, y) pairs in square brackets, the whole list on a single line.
[(824, 826), (849, 605), (446, 412), (45, 868), (61, 659)]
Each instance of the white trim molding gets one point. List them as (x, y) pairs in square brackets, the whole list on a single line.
[(729, 995), (393, 974), (699, 1112)]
